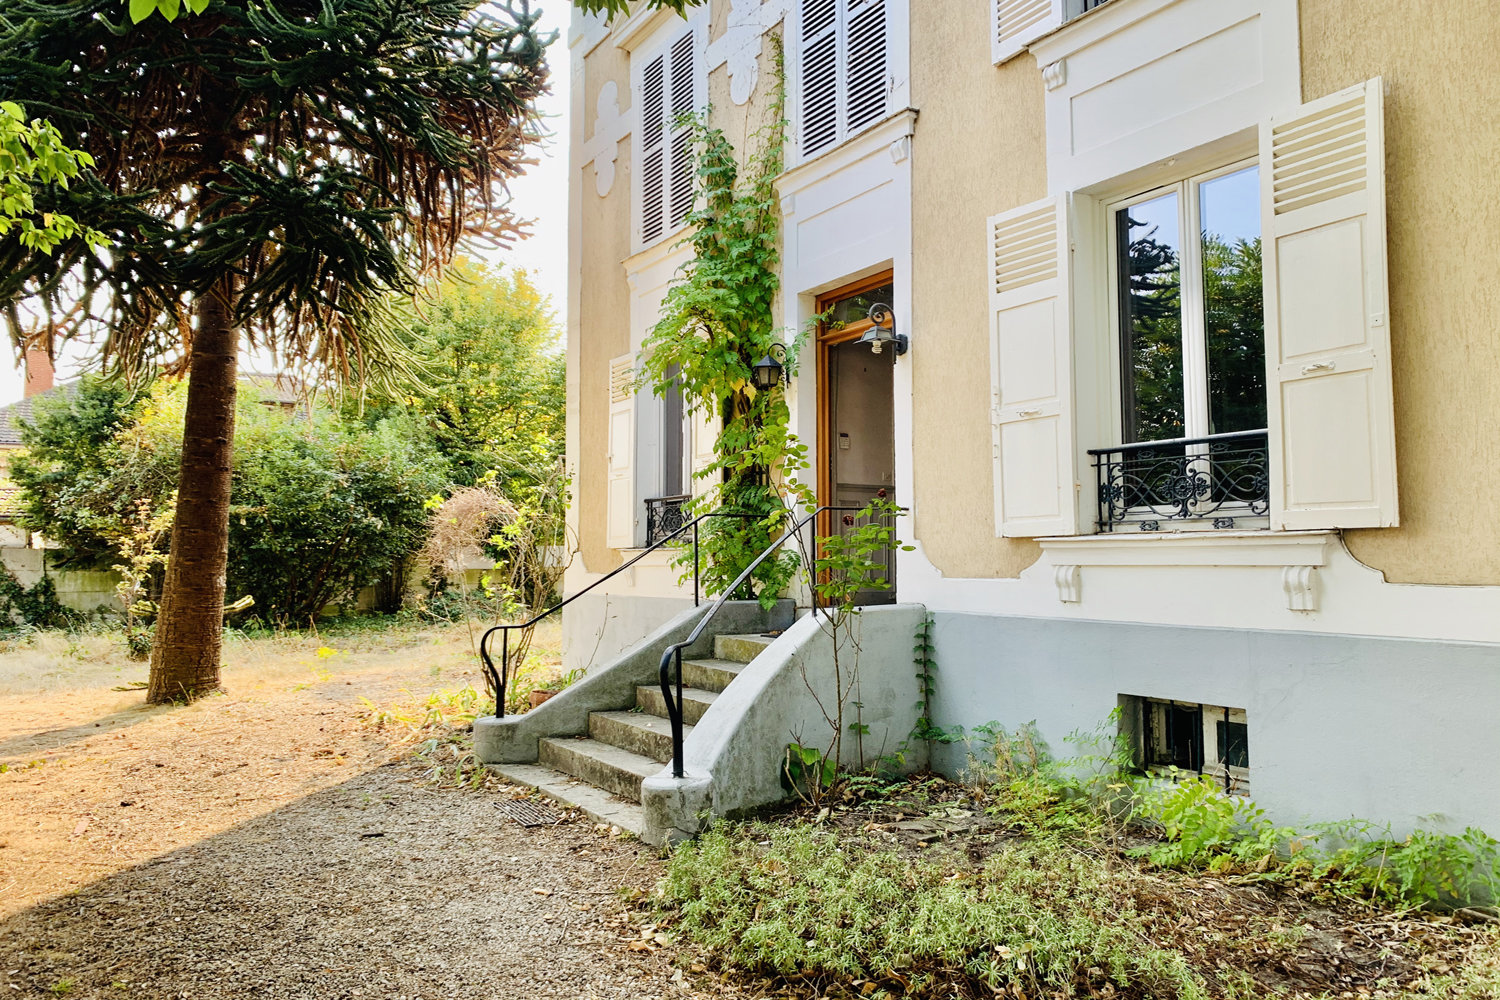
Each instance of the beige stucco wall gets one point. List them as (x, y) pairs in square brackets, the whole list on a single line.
[(1442, 128), (603, 320), (979, 149), (603, 311)]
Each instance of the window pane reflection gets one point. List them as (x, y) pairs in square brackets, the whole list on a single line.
[(1151, 319), (1233, 315)]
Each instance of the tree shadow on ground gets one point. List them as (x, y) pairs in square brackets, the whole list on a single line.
[(27, 746), (378, 887)]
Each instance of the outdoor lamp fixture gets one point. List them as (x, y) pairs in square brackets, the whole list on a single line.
[(769, 370), (884, 330)]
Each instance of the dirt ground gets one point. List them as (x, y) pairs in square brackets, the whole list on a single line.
[(270, 842)]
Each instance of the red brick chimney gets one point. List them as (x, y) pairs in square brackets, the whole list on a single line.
[(38, 371)]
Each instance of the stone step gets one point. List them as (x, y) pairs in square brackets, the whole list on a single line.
[(695, 702), (740, 648), (608, 767), (647, 735), (595, 803), (710, 675)]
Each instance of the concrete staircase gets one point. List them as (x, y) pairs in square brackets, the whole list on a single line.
[(601, 773)]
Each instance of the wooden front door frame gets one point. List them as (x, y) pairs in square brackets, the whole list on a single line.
[(828, 338)]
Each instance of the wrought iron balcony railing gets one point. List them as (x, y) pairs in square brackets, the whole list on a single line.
[(664, 515), (1220, 481)]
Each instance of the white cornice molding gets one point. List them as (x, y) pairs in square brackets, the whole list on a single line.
[(634, 30), (1191, 548), (876, 139)]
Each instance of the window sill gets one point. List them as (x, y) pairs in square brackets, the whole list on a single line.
[(1190, 548), (1298, 554)]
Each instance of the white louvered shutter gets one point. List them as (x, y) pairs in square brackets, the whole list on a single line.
[(868, 73), (1031, 371), (1328, 350), (1017, 23), (843, 69), (680, 166), (653, 130), (819, 74), (620, 515)]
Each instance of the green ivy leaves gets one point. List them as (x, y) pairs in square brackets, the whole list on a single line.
[(142, 9)]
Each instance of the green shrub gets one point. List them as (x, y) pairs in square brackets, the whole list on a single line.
[(796, 902)]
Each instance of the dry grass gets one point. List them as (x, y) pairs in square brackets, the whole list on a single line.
[(94, 780)]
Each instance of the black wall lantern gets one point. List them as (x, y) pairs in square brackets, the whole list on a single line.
[(769, 370), (884, 330)]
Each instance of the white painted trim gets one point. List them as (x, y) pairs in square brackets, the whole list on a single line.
[(888, 132), (1195, 548), (640, 27), (1100, 66)]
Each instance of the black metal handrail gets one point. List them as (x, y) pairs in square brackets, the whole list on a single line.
[(1218, 477), (499, 680), (673, 653)]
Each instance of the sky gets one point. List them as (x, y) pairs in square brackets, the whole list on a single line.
[(540, 195)]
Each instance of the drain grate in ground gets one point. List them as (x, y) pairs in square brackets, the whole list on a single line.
[(529, 813)]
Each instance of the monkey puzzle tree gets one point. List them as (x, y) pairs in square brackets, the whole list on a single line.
[(270, 171)]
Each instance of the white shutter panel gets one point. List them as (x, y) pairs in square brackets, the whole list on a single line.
[(818, 79), (705, 423), (1017, 23), (1031, 371), (653, 129), (680, 154), (620, 513), (868, 74), (1328, 350)]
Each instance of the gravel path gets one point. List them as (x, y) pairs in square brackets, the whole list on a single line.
[(150, 865)]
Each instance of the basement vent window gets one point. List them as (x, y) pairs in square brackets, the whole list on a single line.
[(1175, 737)]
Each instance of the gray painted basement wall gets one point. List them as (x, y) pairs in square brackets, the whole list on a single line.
[(1400, 731)]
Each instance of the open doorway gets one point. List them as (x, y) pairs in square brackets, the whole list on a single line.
[(856, 449)]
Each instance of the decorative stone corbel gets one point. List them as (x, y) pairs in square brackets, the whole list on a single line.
[(1069, 581), (1054, 75), (1300, 584)]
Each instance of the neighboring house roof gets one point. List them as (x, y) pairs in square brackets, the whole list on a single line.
[(11, 416)]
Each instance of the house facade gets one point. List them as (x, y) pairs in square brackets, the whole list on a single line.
[(1201, 355)]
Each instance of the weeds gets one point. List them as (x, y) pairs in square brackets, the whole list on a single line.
[(1036, 918)]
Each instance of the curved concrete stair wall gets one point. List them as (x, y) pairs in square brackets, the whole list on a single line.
[(593, 744), (732, 758)]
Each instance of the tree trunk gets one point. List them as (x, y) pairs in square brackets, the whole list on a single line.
[(190, 627)]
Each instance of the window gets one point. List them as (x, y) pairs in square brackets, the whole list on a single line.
[(1249, 391), (1191, 315), (1190, 329), (1189, 737), (843, 70), (667, 87)]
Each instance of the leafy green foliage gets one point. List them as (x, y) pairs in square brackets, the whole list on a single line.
[(319, 510), (716, 322), (37, 605), (33, 153), (617, 7), (1038, 918), (492, 392)]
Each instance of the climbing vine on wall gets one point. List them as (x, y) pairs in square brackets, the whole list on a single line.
[(716, 321)]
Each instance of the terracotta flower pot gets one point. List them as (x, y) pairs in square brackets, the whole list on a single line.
[(540, 695)]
